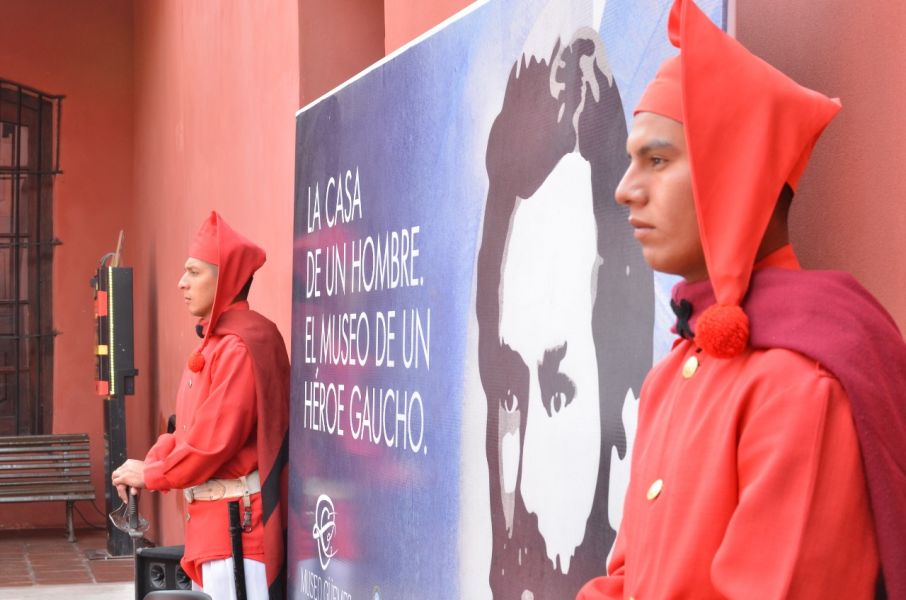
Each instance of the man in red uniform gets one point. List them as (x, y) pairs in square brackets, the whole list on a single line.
[(769, 461), (232, 415)]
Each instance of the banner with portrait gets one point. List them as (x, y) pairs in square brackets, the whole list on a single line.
[(472, 317)]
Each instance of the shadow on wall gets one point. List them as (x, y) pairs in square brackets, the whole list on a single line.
[(153, 416)]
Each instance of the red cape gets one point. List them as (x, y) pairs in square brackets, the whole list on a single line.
[(828, 317), (271, 365)]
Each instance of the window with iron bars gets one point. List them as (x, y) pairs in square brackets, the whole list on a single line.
[(29, 160)]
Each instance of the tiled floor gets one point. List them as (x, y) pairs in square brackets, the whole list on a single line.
[(72, 591), (44, 557)]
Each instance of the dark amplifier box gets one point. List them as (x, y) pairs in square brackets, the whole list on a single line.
[(158, 569)]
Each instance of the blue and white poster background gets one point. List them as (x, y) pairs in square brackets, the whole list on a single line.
[(472, 318)]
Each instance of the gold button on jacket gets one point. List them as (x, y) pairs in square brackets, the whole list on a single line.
[(690, 367), (655, 490)]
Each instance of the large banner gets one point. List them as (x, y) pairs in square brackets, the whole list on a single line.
[(472, 316)]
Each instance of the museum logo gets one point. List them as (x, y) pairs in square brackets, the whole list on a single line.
[(324, 529)]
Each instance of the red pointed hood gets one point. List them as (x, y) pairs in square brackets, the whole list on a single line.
[(749, 129), (236, 257)]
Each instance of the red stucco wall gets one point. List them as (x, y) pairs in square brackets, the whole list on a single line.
[(407, 19), (850, 212), (340, 38), (82, 50), (337, 39)]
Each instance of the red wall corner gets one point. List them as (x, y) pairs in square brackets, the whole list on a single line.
[(849, 212)]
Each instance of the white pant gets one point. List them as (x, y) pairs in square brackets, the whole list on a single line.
[(219, 581)]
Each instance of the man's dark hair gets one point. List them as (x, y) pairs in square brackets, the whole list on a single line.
[(244, 292), (785, 200)]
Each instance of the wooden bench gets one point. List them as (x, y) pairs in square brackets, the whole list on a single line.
[(46, 468)]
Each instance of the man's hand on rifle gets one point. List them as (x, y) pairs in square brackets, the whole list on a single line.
[(130, 474)]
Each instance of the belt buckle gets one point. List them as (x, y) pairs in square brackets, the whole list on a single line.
[(189, 494)]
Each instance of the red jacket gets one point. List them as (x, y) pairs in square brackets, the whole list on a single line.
[(762, 489), (215, 437), (763, 493)]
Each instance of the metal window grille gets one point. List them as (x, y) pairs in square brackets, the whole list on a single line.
[(29, 160)]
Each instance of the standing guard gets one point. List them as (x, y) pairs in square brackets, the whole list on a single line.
[(232, 420)]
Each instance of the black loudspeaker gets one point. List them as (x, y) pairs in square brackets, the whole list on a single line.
[(158, 569)]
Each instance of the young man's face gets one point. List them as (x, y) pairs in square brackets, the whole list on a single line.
[(198, 285), (657, 189)]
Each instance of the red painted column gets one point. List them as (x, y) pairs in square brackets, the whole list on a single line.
[(216, 90)]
